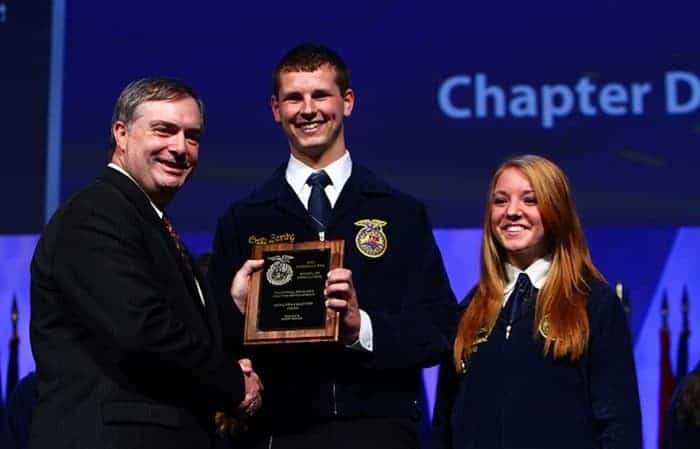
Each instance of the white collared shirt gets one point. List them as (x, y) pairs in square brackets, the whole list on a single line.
[(158, 212), (339, 172), (537, 272)]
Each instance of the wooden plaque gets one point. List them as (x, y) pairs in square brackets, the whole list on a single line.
[(286, 302)]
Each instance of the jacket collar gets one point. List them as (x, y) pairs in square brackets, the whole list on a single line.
[(143, 204), (276, 191), (276, 188), (159, 212), (132, 191)]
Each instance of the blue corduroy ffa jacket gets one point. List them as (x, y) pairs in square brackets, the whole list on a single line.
[(514, 397), (402, 285)]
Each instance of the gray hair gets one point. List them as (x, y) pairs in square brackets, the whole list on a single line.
[(149, 89)]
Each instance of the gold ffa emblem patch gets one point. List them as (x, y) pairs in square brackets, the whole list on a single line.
[(482, 336), (371, 239)]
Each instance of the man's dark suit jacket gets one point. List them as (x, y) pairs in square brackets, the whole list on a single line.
[(126, 354)]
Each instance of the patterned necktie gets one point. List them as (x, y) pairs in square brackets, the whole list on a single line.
[(184, 257), (521, 292), (319, 205)]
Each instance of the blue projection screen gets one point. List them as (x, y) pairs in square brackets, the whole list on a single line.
[(609, 90)]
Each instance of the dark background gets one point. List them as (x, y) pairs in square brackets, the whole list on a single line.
[(25, 37)]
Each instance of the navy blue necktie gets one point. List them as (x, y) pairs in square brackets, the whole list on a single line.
[(520, 294), (319, 206)]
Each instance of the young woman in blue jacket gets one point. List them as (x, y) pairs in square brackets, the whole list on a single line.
[(542, 356)]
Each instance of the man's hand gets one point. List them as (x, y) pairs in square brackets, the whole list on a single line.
[(253, 388), (241, 283), (340, 296)]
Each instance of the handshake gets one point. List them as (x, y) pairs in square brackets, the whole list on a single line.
[(234, 421)]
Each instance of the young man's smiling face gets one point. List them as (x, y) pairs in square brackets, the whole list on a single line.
[(311, 108)]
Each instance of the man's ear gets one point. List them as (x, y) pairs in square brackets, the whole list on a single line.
[(275, 106), (348, 102), (120, 131)]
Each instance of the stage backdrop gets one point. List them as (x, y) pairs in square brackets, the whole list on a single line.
[(445, 91), (610, 90)]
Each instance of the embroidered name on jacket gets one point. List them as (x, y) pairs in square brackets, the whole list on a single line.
[(273, 238)]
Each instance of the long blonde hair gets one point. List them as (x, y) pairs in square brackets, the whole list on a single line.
[(561, 304)]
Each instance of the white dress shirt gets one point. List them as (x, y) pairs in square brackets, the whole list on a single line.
[(537, 272), (339, 172)]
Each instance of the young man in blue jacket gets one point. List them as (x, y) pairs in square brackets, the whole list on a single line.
[(396, 308)]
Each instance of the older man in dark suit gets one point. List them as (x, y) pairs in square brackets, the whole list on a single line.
[(127, 344)]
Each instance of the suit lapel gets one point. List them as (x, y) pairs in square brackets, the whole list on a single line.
[(279, 194), (186, 276), (361, 184), (130, 190), (288, 202), (139, 199), (347, 201)]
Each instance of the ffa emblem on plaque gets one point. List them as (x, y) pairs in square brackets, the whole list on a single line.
[(280, 272), (371, 239)]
